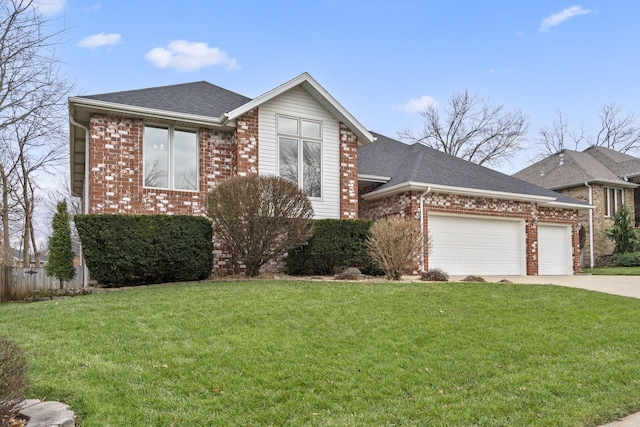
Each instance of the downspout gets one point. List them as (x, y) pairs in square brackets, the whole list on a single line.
[(422, 255), (85, 193), (590, 225)]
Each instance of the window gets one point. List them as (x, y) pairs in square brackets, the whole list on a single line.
[(613, 200), (170, 158), (300, 153)]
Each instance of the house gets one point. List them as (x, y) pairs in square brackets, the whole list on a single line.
[(159, 150), (598, 176)]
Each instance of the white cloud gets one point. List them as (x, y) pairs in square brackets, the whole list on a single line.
[(418, 105), (499, 71), (189, 56), (98, 40), (558, 18), (95, 8), (49, 7)]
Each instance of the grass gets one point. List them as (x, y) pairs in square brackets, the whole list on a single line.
[(271, 353), (613, 271)]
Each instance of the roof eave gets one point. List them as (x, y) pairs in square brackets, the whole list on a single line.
[(318, 92), (112, 107), (420, 186), (622, 184), (565, 205), (373, 178)]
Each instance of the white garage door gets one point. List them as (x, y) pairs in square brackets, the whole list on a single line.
[(480, 246), (554, 249)]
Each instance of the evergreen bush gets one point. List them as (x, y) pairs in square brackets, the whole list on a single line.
[(335, 244), (129, 250), (61, 254), (623, 233)]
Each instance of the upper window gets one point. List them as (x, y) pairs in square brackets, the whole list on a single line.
[(170, 158), (613, 200), (300, 153)]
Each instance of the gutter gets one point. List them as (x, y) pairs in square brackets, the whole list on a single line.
[(591, 263), (85, 193), (422, 255)]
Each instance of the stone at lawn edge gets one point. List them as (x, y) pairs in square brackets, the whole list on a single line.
[(47, 414)]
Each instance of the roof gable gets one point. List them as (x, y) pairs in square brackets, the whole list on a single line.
[(419, 164), (622, 164)]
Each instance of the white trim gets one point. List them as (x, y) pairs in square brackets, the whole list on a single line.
[(112, 107), (373, 178), (314, 88)]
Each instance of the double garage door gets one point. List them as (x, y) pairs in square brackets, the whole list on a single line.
[(464, 245)]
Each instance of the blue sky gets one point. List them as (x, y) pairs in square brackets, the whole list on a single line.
[(379, 59)]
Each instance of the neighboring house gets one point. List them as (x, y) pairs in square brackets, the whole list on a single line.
[(159, 150), (598, 176)]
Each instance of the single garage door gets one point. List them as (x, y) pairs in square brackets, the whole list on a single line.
[(554, 249), (473, 245)]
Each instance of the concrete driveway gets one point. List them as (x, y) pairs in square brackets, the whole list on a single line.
[(628, 286)]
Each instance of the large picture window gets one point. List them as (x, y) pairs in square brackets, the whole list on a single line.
[(170, 158), (300, 153), (613, 200)]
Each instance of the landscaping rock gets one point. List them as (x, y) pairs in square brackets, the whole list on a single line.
[(351, 273), (47, 414), (473, 279)]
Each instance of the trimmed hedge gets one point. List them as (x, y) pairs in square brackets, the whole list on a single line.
[(336, 243), (129, 250)]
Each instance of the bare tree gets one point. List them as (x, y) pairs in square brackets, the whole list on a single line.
[(471, 128), (560, 136), (617, 131), (259, 218), (32, 94)]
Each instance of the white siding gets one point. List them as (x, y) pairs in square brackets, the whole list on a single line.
[(298, 103)]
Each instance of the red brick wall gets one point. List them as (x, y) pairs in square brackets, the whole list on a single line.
[(406, 204), (116, 164), (348, 173), (246, 144)]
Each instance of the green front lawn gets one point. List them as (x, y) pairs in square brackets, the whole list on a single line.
[(276, 353), (613, 271)]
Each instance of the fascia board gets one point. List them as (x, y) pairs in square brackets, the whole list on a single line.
[(363, 134), (373, 178), (564, 205), (434, 188), (622, 184), (113, 107)]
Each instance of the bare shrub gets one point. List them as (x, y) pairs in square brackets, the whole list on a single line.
[(473, 279), (259, 218), (349, 273), (394, 244), (435, 275), (13, 378)]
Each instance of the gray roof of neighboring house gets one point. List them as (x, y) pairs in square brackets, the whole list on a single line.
[(623, 165), (198, 98), (418, 163), (570, 168)]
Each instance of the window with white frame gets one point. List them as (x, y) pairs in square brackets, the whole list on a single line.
[(300, 153), (170, 158), (613, 200)]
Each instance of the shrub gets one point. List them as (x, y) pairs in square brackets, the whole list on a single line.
[(335, 244), (629, 259), (394, 244), (259, 218), (435, 275), (13, 378), (61, 254), (623, 233), (143, 249)]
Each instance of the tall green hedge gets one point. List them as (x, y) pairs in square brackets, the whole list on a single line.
[(335, 243), (129, 250)]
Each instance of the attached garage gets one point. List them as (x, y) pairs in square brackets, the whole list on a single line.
[(554, 250), (463, 244)]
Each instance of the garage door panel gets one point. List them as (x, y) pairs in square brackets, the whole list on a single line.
[(554, 250), (470, 245)]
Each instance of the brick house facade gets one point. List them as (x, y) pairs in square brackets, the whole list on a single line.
[(237, 136)]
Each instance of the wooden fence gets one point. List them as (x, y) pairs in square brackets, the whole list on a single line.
[(16, 282)]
